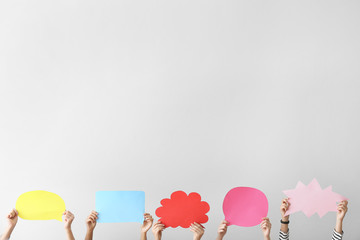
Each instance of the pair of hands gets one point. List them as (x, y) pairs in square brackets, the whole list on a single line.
[(13, 217), (265, 226), (341, 209), (341, 212), (158, 228)]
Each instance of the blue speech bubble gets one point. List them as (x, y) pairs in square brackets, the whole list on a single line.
[(120, 206)]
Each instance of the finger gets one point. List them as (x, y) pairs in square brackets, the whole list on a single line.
[(15, 211), (197, 224), (225, 222), (340, 208), (195, 228)]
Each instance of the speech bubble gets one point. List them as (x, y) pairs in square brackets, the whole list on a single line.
[(245, 206), (120, 206), (182, 210), (312, 199), (40, 205)]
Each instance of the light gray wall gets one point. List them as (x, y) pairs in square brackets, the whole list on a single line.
[(179, 95)]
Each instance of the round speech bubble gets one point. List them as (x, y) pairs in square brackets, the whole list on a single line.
[(245, 206), (40, 205)]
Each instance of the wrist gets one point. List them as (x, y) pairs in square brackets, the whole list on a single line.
[(285, 218), (11, 226), (9, 230)]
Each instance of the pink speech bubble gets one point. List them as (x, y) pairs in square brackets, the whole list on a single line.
[(312, 199), (245, 206)]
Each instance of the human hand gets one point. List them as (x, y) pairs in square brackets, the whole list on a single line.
[(341, 210), (68, 219), (266, 227), (222, 229), (91, 220), (283, 208), (12, 218), (157, 230), (198, 230), (148, 222)]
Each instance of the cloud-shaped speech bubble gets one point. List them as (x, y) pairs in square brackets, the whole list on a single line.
[(40, 205), (183, 210), (245, 206)]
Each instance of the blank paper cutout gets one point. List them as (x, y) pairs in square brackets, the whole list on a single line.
[(40, 205), (182, 210), (312, 199), (245, 206), (120, 206)]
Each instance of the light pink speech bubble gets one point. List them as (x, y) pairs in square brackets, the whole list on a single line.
[(312, 199), (245, 206)]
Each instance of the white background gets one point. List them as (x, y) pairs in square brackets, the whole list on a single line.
[(179, 95)]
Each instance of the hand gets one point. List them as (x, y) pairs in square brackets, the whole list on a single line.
[(91, 220), (266, 227), (198, 230), (283, 208), (148, 222), (157, 230), (12, 218), (68, 219), (222, 229), (341, 210)]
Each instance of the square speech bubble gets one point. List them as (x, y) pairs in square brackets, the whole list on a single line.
[(120, 206)]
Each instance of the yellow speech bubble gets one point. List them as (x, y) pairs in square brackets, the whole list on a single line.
[(40, 205)]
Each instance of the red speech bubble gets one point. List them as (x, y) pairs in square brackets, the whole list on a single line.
[(245, 206), (182, 210)]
